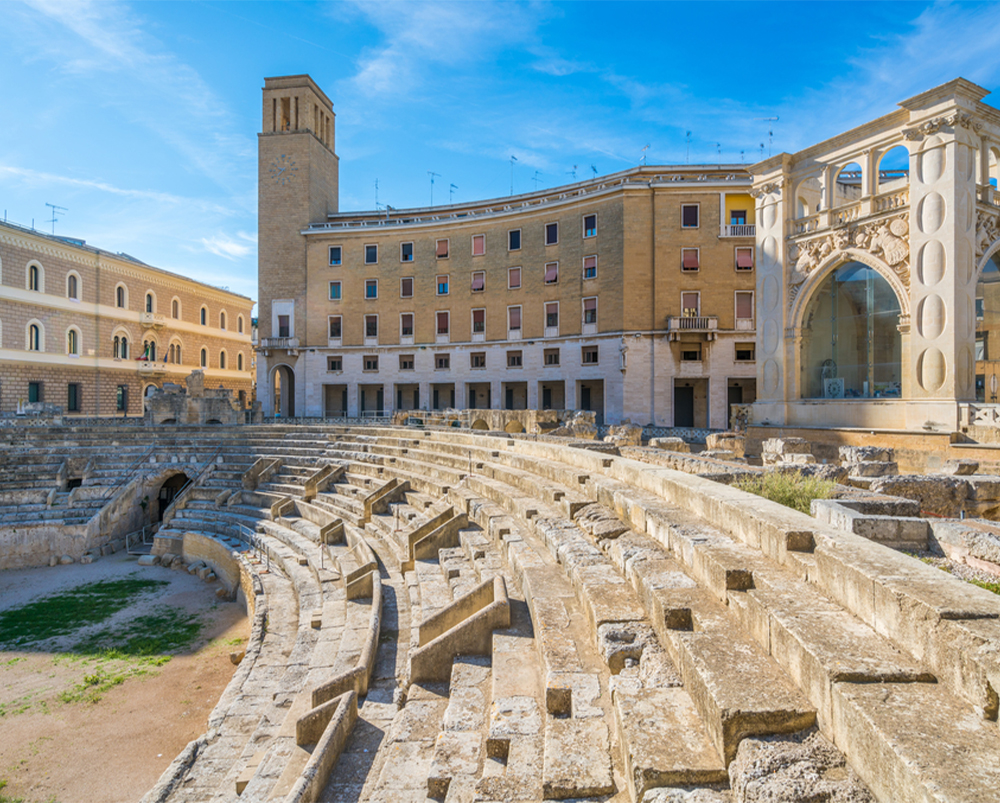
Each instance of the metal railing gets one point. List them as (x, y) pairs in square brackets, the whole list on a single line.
[(143, 537), (132, 469), (209, 465)]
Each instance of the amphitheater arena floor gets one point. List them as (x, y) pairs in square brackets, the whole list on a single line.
[(115, 749)]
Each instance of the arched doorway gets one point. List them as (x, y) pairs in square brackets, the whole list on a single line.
[(851, 345), (168, 491), (283, 383), (988, 331)]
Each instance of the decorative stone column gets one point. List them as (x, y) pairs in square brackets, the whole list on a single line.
[(771, 297)]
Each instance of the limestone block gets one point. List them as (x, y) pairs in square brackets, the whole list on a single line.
[(719, 454), (53, 560), (148, 560), (984, 488), (86, 559), (671, 794), (624, 435), (865, 454), (960, 467), (803, 766), (874, 469), (456, 753), (731, 441), (510, 717), (799, 459), (670, 444), (942, 495), (577, 759), (786, 446)]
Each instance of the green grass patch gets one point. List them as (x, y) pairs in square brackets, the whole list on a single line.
[(994, 587), (4, 797), (63, 613), (791, 490)]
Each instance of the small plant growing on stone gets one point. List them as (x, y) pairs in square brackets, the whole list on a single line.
[(789, 489)]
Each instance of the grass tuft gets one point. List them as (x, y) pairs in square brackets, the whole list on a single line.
[(994, 587), (791, 490)]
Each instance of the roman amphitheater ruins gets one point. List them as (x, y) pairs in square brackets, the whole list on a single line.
[(496, 605)]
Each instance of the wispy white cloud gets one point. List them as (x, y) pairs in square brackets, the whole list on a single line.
[(223, 245)]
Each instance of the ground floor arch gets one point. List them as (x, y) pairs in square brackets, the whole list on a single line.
[(283, 391), (166, 493)]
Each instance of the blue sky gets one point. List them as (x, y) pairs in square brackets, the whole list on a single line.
[(141, 118)]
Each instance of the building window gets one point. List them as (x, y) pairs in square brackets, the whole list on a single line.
[(120, 297), (590, 225), (477, 359), (691, 352), (121, 399), (371, 288), (590, 310), (406, 287), (72, 287), (335, 255), (745, 352), (406, 252), (149, 302), (73, 342), (34, 337), (34, 280), (204, 358), (478, 245), (442, 285), (72, 398), (478, 281), (588, 355), (552, 356), (204, 316), (222, 359), (405, 362), (441, 250), (34, 392), (406, 324), (552, 314), (551, 272), (222, 320), (590, 267), (239, 361), (689, 259), (371, 362), (335, 324), (334, 363), (691, 304), (689, 216), (442, 362), (744, 258), (514, 240), (284, 326), (121, 347), (239, 324), (513, 359), (371, 325), (478, 321), (514, 318), (371, 254), (175, 310), (149, 350), (335, 291), (744, 305), (443, 323), (738, 217), (514, 279), (551, 233)]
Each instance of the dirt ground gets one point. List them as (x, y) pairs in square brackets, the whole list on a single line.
[(112, 750)]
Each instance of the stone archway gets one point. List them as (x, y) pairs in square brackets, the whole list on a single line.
[(283, 391), (166, 494)]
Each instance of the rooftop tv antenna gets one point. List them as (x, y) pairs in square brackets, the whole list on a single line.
[(762, 150), (688, 137), (376, 193), (536, 179), (593, 169), (642, 159), (56, 210), (432, 174), (451, 190), (572, 172), (770, 132), (718, 150), (513, 159)]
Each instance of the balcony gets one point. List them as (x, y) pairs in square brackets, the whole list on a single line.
[(739, 230), (704, 324), (744, 325), (279, 343), (152, 369), (152, 320)]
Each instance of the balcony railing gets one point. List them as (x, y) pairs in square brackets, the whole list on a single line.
[(685, 323), (279, 343), (149, 368), (738, 230), (152, 319)]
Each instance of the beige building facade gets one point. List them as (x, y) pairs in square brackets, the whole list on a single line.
[(877, 266), (631, 295), (91, 332)]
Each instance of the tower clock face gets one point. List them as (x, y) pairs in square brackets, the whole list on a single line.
[(283, 169)]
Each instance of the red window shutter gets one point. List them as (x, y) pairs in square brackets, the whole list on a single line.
[(590, 303), (552, 272), (690, 259), (515, 317), (478, 281), (442, 248), (442, 323), (744, 305), (744, 258), (478, 315)]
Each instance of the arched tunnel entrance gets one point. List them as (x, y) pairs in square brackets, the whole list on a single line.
[(165, 495)]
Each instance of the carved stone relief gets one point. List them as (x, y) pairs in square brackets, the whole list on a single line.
[(935, 124), (987, 231)]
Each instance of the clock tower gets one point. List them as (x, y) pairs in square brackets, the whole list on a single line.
[(297, 184)]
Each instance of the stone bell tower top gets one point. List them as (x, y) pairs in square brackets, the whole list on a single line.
[(295, 104)]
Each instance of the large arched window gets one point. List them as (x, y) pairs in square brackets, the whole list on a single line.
[(222, 359), (988, 331), (149, 302), (239, 361), (72, 286), (34, 337), (203, 317), (121, 347), (121, 297), (851, 346), (175, 308)]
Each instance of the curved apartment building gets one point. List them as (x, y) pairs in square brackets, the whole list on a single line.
[(630, 294)]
